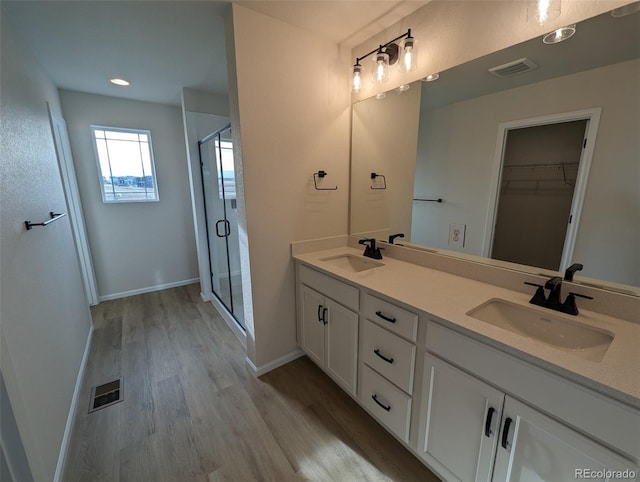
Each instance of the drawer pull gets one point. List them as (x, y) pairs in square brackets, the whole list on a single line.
[(487, 423), (377, 352), (375, 399), (320, 313), (324, 315), (505, 433), (385, 318)]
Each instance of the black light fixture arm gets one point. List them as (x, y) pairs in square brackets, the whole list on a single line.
[(383, 46)]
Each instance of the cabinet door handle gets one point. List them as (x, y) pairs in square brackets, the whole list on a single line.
[(375, 399), (320, 313), (377, 352), (386, 318), (325, 311), (487, 423), (505, 432)]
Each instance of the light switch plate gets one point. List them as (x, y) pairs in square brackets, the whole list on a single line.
[(456, 235)]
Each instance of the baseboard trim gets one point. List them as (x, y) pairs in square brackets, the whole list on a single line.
[(149, 289), (272, 365), (68, 430)]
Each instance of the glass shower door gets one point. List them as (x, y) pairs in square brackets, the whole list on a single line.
[(219, 188)]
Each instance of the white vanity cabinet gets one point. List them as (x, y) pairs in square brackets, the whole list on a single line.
[(535, 447), (387, 363), (459, 422), (328, 329), (473, 430)]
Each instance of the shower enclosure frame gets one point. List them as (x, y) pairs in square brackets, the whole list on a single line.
[(234, 298)]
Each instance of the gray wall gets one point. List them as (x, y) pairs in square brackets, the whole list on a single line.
[(455, 162), (135, 246), (45, 320)]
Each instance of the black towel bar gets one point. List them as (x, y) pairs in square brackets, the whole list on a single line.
[(54, 217)]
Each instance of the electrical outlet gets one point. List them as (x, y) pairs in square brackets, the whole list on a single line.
[(456, 235)]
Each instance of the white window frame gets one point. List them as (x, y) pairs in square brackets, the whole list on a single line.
[(100, 173)]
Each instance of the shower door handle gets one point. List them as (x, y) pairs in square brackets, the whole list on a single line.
[(218, 228), (227, 228)]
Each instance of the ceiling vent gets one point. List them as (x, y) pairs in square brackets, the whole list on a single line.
[(516, 67)]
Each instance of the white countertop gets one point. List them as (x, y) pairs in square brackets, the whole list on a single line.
[(449, 298)]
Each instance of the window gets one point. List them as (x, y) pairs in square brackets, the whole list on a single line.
[(125, 164), (224, 161)]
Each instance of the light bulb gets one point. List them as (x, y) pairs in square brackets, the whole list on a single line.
[(380, 67), (357, 78), (408, 57)]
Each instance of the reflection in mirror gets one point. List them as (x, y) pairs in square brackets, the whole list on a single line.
[(469, 118)]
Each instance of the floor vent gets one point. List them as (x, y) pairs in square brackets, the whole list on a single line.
[(516, 67), (105, 395)]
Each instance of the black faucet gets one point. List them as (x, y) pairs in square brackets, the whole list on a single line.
[(370, 250), (394, 236), (553, 302), (571, 270), (554, 286)]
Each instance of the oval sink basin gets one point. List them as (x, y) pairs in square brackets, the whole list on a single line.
[(585, 341), (352, 263)]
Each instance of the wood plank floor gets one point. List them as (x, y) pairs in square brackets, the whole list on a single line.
[(192, 411)]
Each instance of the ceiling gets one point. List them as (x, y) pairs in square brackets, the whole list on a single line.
[(598, 41), (163, 46)]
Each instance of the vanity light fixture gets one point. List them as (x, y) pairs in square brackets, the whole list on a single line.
[(386, 55), (381, 66), (120, 82), (559, 35), (543, 11)]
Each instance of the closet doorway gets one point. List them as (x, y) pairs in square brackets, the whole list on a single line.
[(221, 219), (543, 170)]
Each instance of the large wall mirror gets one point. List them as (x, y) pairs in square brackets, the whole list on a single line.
[(534, 171)]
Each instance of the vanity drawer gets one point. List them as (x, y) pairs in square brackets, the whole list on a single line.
[(389, 355), (388, 403), (343, 293), (392, 317)]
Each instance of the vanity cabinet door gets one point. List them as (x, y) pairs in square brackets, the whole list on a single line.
[(312, 325), (459, 422), (534, 447), (342, 345)]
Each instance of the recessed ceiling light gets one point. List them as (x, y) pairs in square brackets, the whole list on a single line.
[(403, 88), (626, 10), (560, 35), (431, 78), (119, 82), (381, 96)]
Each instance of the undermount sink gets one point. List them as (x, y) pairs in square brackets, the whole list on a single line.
[(584, 341), (352, 263)]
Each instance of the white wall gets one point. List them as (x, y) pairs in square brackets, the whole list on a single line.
[(290, 105), (450, 33), (384, 136), (458, 143), (143, 245), (45, 321)]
